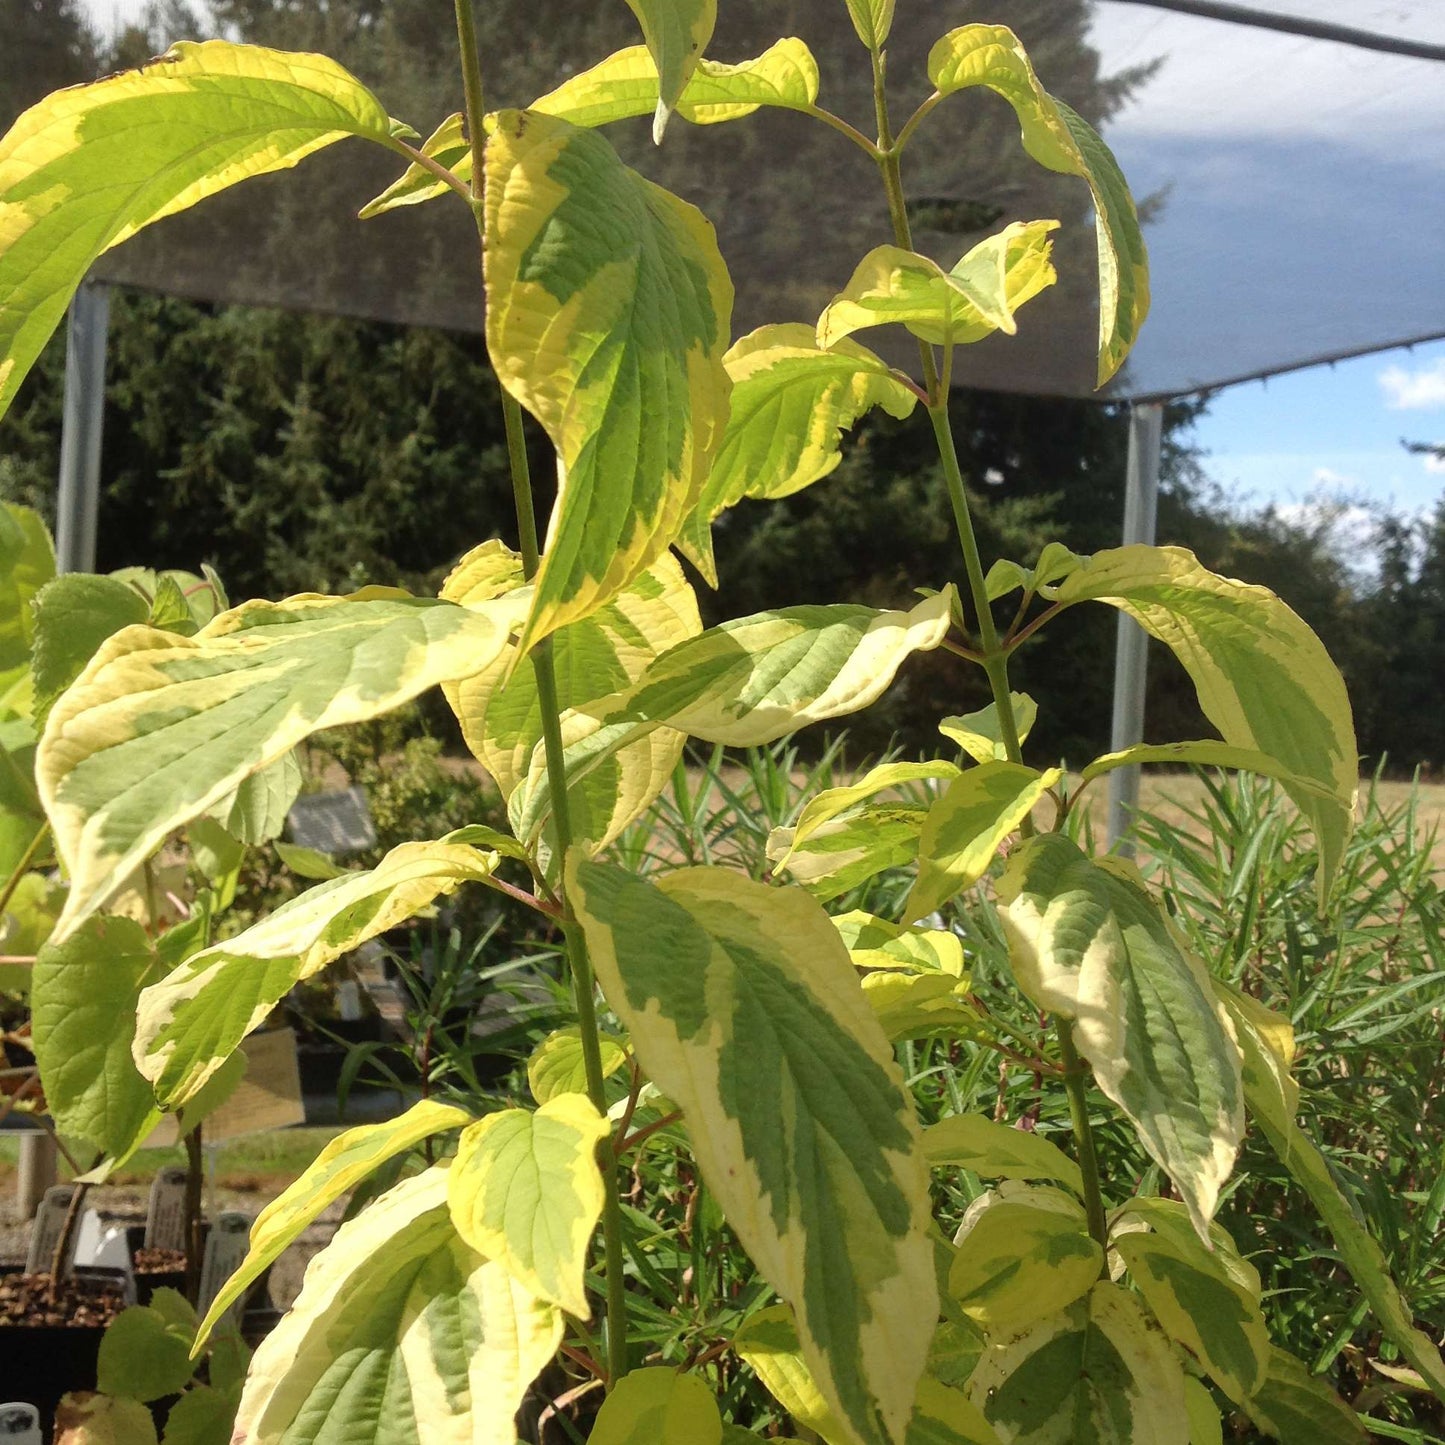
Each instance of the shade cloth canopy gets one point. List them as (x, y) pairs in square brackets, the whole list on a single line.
[(1294, 187)]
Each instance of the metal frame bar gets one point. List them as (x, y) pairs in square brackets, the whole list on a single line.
[(1131, 657), (1298, 25)]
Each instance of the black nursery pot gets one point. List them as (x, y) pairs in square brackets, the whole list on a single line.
[(41, 1363)]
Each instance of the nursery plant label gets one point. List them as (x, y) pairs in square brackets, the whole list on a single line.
[(166, 1217), (45, 1235), (20, 1424), (333, 823), (226, 1247)]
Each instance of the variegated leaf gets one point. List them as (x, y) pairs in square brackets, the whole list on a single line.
[(344, 1163), (604, 292), (189, 1022), (86, 168), (1263, 678), (27, 568), (159, 728), (526, 1190), (922, 1005), (996, 1151), (875, 943), (449, 146), (1096, 1373), (1206, 1427), (768, 1342), (401, 1333), (625, 84), (557, 1065), (967, 825), (1060, 140), (752, 680), (945, 308), (979, 734), (1022, 1254), (844, 836), (791, 403), (1298, 1408), (677, 33), (744, 1008), (658, 1407), (1266, 1039), (1087, 942), (594, 659), (1202, 1306)]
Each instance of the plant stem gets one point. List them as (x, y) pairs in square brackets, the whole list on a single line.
[(195, 1176), (995, 658), (1074, 1082), (583, 983), (23, 866)]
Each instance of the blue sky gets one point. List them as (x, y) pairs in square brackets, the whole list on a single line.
[(1335, 429)]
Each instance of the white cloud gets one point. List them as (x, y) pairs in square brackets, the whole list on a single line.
[(1434, 462), (1422, 390), (1329, 477)]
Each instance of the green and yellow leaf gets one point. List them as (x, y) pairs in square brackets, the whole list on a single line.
[(945, 308), (980, 735), (86, 168), (875, 943), (83, 1418), (785, 75), (922, 1005), (160, 728), (27, 556), (677, 33), (791, 403), (1298, 1408), (843, 837), (752, 680), (658, 1406), (1096, 1373), (997, 1151), (1087, 942), (557, 1065), (526, 1191), (967, 825), (769, 1344), (745, 1009), (594, 659), (448, 146), (82, 1001), (344, 1163), (401, 1332), (1022, 1255), (189, 1022), (1061, 141), (1263, 678), (1202, 1306), (604, 293)]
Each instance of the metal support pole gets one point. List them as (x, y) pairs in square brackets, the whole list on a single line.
[(78, 501), (1141, 506)]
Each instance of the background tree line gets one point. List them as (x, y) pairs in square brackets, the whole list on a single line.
[(302, 452)]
